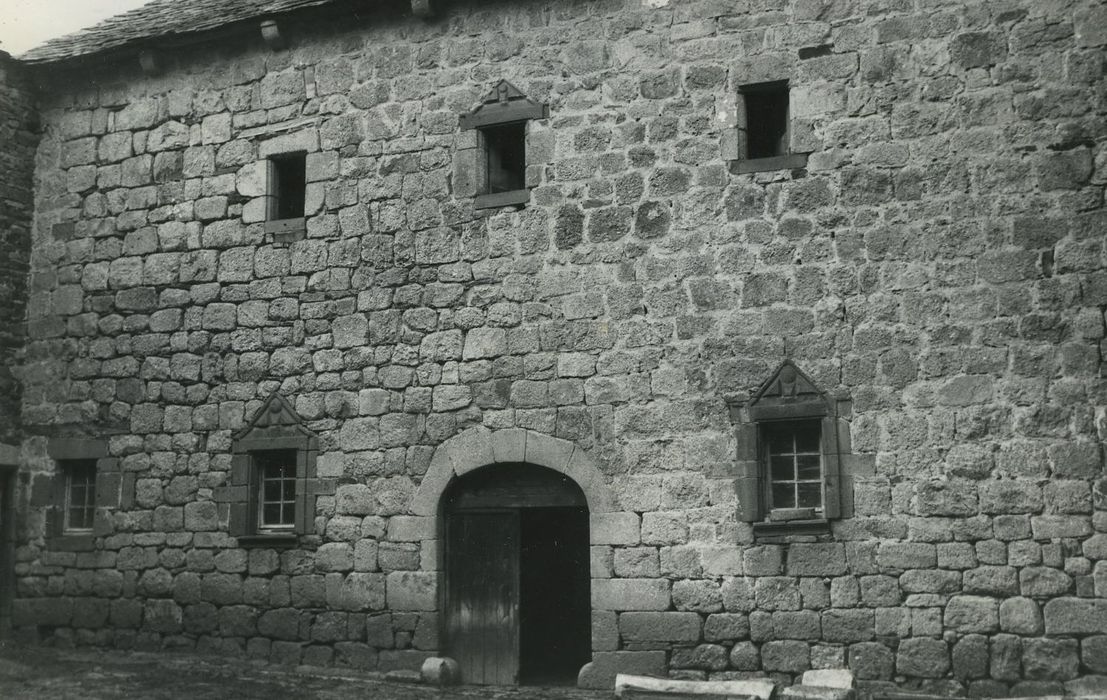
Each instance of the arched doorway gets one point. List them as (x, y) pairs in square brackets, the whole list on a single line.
[(517, 605)]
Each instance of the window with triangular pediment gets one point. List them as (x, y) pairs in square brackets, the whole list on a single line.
[(792, 437), (273, 482)]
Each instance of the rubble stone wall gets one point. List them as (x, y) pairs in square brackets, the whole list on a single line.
[(940, 263), (17, 124)]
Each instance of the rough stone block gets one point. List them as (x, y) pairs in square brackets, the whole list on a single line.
[(1043, 582), (1093, 653), (1047, 527), (660, 626), (788, 656), (726, 627), (923, 658), (404, 528), (630, 594), (412, 590), (599, 674), (1075, 616), (509, 445), (828, 678), (871, 661), (614, 528), (848, 625), (968, 613), (1050, 659), (827, 559), (605, 631), (1020, 616)]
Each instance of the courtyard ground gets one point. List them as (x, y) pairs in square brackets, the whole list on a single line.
[(39, 673)]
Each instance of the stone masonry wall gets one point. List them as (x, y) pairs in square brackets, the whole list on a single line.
[(940, 262), (17, 119)]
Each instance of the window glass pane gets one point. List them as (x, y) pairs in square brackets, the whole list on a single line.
[(783, 468), (779, 440), (784, 496), (808, 467), (807, 437), (288, 490), (810, 495), (271, 490), (271, 514)]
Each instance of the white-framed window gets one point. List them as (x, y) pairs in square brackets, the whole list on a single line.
[(792, 461), (79, 509), (276, 489)]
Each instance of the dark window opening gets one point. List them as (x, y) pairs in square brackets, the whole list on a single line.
[(766, 119), (794, 465), (276, 470), (80, 494), (287, 182), (506, 153)]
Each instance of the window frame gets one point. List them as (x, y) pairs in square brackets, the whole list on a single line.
[(111, 489), (276, 427), (70, 470), (769, 406), (787, 159), (503, 106), (794, 427), (283, 227), (287, 460)]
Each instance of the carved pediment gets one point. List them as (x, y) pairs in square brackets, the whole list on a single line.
[(788, 383), (276, 417), (503, 104), (788, 393)]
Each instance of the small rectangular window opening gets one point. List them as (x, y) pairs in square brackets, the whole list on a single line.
[(80, 494), (766, 119), (506, 152), (276, 470), (793, 461), (287, 182)]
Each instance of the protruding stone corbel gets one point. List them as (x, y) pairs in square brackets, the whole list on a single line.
[(151, 61), (271, 33), (424, 8)]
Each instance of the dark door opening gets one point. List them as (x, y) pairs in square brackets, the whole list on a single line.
[(517, 581), (554, 597)]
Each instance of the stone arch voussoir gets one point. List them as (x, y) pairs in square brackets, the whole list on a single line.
[(479, 447)]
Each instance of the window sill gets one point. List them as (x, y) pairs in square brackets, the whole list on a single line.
[(76, 542), (790, 161), (282, 539), (501, 199), (287, 230), (781, 532)]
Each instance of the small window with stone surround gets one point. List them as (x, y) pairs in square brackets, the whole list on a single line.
[(85, 486), (764, 133), (79, 500), (793, 441), (287, 183), (274, 485), (494, 165)]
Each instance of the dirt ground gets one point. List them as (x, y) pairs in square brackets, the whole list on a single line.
[(37, 673)]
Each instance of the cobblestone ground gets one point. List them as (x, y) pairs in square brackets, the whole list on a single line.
[(36, 673)]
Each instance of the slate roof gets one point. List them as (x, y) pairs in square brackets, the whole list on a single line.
[(159, 19)]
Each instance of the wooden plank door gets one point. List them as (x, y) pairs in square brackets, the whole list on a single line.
[(482, 595)]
